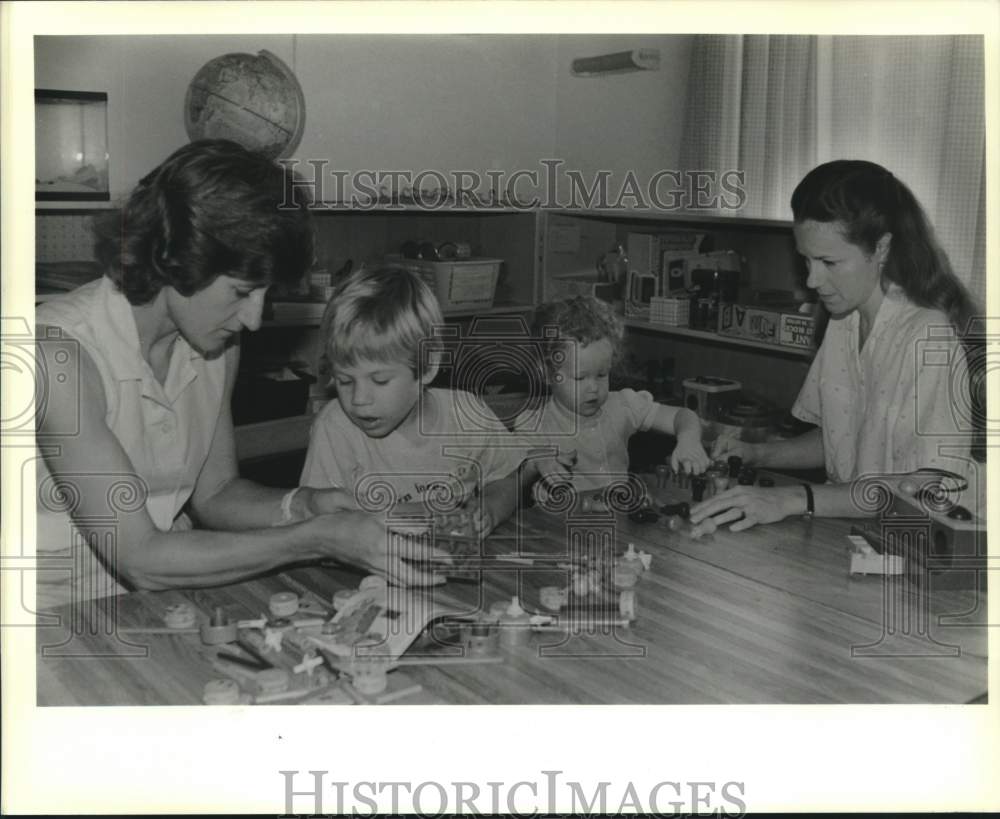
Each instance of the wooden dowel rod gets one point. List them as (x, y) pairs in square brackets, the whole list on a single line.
[(456, 660)]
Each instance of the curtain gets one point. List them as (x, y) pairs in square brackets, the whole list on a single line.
[(775, 106), (916, 105), (751, 107)]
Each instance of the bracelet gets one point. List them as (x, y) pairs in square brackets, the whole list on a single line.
[(810, 505), (286, 507)]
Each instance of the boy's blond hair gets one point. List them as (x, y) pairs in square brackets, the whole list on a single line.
[(384, 314)]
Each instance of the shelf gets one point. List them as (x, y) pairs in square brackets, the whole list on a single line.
[(446, 209), (716, 338), (678, 216), (496, 310), (272, 437)]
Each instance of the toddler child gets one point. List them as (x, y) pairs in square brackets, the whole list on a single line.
[(581, 339), (390, 439)]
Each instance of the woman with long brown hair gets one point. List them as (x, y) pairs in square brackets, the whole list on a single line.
[(890, 388)]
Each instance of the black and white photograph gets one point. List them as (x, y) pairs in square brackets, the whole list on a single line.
[(445, 417)]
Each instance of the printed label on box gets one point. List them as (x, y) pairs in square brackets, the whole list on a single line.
[(797, 331), (749, 322), (472, 284)]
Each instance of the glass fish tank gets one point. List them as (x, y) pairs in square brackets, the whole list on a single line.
[(71, 145)]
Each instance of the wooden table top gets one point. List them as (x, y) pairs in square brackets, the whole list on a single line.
[(769, 615)]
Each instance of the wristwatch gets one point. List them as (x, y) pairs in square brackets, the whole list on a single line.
[(810, 505)]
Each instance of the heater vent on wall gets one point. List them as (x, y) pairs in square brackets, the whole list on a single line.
[(621, 62)]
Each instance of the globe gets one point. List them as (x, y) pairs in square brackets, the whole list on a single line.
[(254, 100)]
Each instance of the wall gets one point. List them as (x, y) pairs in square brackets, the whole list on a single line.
[(621, 122), (475, 102), (463, 102)]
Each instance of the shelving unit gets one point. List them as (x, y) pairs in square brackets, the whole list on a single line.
[(677, 218), (495, 310), (715, 338)]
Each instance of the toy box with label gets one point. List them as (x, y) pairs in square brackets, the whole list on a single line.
[(460, 284), (782, 324)]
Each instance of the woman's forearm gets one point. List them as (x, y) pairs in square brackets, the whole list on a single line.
[(207, 558), (243, 504), (240, 505), (803, 452), (838, 501)]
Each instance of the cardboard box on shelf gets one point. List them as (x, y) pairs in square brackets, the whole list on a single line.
[(782, 325)]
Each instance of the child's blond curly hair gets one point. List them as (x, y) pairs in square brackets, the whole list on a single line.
[(580, 319)]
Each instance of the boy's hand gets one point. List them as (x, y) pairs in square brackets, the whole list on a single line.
[(482, 522), (689, 455), (559, 467)]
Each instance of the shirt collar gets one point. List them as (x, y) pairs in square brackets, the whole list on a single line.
[(567, 419), (125, 349), (893, 301)]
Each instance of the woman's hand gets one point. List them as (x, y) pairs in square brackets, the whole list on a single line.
[(746, 506), (725, 447), (689, 455), (362, 540)]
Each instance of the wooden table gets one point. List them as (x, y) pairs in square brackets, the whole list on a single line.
[(769, 615)]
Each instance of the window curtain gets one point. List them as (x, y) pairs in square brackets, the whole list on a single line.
[(775, 106), (751, 106)]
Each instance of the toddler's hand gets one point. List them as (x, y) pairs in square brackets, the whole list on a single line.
[(689, 456)]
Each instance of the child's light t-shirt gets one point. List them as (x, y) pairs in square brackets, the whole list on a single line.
[(600, 441), (462, 447)]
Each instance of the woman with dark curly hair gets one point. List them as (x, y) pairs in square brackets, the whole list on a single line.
[(155, 341), (889, 388)]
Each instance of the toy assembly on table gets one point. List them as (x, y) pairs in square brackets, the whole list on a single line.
[(603, 596)]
